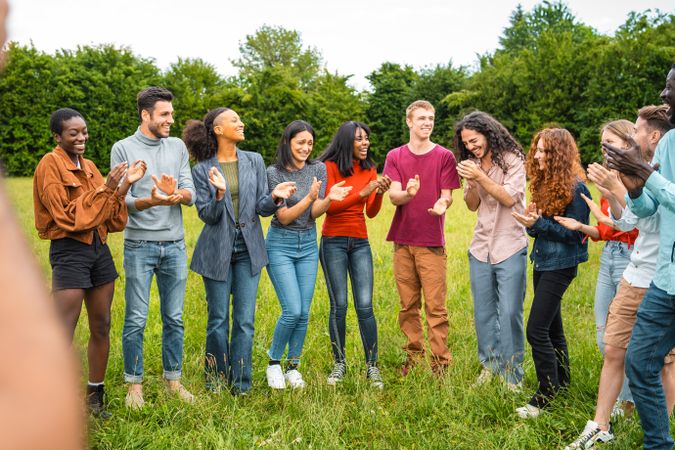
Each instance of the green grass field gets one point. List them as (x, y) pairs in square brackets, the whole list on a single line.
[(417, 412)]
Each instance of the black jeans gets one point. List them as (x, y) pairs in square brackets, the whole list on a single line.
[(546, 335), (342, 255)]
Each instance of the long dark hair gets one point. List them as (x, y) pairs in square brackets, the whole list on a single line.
[(284, 155), (341, 148), (199, 137), (498, 138)]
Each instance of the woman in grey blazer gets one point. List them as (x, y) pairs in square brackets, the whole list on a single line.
[(232, 193)]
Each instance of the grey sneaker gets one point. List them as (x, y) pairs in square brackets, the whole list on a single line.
[(338, 373), (373, 374), (591, 434)]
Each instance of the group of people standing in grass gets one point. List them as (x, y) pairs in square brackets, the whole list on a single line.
[(150, 179)]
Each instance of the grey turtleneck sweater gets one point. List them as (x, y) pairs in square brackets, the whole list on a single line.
[(166, 155)]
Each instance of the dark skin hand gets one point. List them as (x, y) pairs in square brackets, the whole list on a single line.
[(630, 164)]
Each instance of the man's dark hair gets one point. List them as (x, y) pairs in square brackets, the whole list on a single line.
[(62, 115), (147, 98)]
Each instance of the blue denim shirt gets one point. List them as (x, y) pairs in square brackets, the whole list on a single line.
[(555, 247), (659, 195)]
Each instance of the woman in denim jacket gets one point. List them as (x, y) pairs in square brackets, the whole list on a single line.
[(232, 192), (556, 187)]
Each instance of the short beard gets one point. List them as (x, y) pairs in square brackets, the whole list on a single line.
[(155, 131)]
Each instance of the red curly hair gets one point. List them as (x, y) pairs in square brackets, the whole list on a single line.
[(552, 188)]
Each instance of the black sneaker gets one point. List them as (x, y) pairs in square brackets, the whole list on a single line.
[(95, 402)]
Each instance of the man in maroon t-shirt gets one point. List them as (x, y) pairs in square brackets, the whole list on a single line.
[(428, 172)]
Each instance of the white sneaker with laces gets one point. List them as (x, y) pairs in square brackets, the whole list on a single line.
[(528, 411), (591, 434), (275, 377), (294, 379)]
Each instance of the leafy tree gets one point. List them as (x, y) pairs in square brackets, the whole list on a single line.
[(282, 81), (393, 90), (332, 102), (195, 85), (434, 84), (26, 86), (271, 47), (102, 83)]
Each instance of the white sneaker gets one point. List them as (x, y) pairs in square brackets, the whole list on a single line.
[(275, 377), (294, 379), (484, 377), (528, 411), (591, 434)]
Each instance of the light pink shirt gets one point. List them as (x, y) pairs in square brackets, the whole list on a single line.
[(498, 235)]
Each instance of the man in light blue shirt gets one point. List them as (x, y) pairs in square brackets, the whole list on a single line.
[(651, 189)]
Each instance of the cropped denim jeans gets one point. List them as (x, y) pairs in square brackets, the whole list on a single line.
[(498, 294), (613, 261), (342, 255), (228, 353), (293, 263), (167, 261)]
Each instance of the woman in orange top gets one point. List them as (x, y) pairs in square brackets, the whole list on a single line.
[(615, 254), (75, 209), (344, 243)]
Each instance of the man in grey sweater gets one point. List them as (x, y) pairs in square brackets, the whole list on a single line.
[(153, 241)]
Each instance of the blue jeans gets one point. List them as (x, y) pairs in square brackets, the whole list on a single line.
[(341, 255), (653, 337), (166, 260), (498, 294), (228, 356), (293, 263), (613, 261)]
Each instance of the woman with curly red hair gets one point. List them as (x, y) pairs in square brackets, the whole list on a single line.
[(556, 187)]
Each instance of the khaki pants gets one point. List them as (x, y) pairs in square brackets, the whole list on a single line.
[(417, 270)]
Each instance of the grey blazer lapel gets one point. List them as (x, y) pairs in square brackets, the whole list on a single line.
[(247, 184)]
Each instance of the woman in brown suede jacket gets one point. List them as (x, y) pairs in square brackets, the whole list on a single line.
[(75, 208)]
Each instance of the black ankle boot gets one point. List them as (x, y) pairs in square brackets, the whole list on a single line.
[(95, 397)]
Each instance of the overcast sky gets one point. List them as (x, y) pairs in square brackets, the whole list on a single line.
[(354, 37)]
